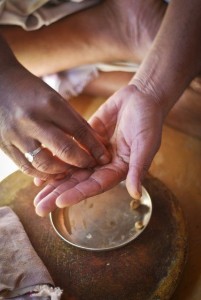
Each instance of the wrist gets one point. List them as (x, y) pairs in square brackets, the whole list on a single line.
[(174, 59), (163, 78), (147, 80)]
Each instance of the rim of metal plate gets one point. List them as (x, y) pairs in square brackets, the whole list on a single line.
[(103, 222)]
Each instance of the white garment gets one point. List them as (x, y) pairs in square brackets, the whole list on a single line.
[(33, 14), (72, 82)]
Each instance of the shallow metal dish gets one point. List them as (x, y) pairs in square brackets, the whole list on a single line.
[(102, 222)]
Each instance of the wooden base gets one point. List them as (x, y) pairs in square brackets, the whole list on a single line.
[(150, 267)]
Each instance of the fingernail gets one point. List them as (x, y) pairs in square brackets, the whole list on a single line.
[(40, 213), (137, 195), (38, 181), (104, 159), (138, 192), (59, 204)]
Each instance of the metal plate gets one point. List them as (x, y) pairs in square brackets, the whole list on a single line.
[(103, 222)]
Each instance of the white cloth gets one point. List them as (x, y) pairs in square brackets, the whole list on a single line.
[(72, 82), (33, 14)]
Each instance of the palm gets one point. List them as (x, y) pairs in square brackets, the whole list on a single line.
[(132, 124)]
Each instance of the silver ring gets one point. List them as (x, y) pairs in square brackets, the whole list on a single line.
[(30, 155)]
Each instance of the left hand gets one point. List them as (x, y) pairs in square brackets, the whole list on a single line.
[(132, 122)]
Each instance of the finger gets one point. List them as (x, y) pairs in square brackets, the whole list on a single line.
[(43, 161), (46, 191), (105, 118), (102, 179), (141, 156), (71, 122), (25, 166), (45, 200), (102, 138), (38, 181), (65, 147), (52, 186)]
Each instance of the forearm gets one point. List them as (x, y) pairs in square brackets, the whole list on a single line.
[(175, 57)]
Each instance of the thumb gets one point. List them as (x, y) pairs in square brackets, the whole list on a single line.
[(141, 157)]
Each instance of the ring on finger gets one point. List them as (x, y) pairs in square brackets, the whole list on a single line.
[(30, 155)]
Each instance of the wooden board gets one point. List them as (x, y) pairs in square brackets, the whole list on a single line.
[(150, 267)]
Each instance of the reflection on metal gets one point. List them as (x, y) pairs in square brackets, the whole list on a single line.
[(103, 222)]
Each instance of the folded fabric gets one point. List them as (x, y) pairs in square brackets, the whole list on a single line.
[(32, 15), (21, 270), (72, 82)]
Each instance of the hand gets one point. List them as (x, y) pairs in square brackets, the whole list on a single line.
[(132, 122), (32, 114)]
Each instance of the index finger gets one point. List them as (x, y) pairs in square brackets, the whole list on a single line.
[(76, 126)]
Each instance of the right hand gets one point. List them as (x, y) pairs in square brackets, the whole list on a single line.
[(32, 114)]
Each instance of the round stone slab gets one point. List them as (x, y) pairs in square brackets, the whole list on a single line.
[(147, 268)]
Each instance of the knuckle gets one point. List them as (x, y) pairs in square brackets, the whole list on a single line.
[(96, 150), (23, 116), (29, 170), (56, 192), (97, 183), (50, 102), (80, 192), (7, 133), (81, 131), (5, 146), (26, 169), (74, 180), (65, 150), (42, 166)]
